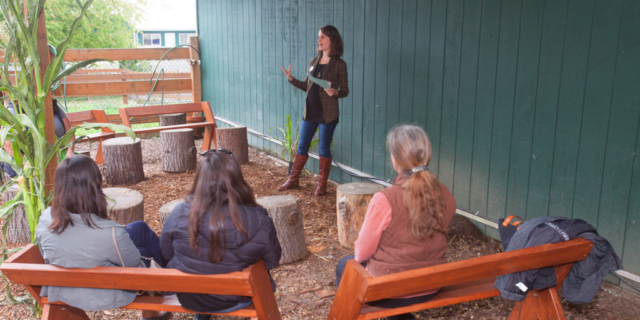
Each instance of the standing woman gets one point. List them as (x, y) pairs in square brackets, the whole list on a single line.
[(321, 108), (406, 224)]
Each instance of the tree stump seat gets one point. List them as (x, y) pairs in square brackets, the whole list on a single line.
[(18, 229), (234, 140), (173, 119), (352, 203), (129, 205), (122, 161), (287, 218), (166, 209), (178, 150)]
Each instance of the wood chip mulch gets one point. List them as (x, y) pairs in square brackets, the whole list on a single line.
[(305, 289)]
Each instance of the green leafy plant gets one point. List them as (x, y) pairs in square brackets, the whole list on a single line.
[(26, 129), (290, 141)]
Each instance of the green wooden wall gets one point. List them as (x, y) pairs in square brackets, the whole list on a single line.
[(533, 107)]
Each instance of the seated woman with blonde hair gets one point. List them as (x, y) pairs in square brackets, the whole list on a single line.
[(406, 224)]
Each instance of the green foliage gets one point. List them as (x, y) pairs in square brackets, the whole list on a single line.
[(290, 141), (135, 65), (109, 23), (26, 131)]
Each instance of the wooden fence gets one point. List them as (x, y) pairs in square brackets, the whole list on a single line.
[(123, 82)]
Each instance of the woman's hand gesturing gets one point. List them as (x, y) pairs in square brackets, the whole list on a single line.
[(331, 92), (287, 72)]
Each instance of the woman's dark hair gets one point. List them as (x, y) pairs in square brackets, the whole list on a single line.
[(77, 190), (337, 47), (218, 184)]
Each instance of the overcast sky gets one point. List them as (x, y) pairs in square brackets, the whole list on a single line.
[(169, 15)]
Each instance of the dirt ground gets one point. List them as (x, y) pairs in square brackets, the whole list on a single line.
[(304, 288)]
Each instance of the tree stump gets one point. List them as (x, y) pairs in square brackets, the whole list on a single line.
[(178, 150), (129, 205), (122, 161), (353, 201), (18, 229), (173, 119), (287, 218), (234, 140), (166, 209)]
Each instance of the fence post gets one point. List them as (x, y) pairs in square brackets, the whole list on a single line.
[(196, 81)]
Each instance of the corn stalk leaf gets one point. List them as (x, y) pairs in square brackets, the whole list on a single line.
[(75, 68)]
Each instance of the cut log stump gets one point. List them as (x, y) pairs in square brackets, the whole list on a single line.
[(287, 218), (129, 205), (234, 140), (18, 229), (352, 203), (173, 119), (166, 209), (178, 150), (122, 161)]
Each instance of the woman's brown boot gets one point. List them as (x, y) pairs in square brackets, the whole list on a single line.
[(293, 181), (325, 168)]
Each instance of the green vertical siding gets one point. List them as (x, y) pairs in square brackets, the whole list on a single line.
[(533, 107)]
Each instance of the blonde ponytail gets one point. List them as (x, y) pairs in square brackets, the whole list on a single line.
[(410, 149)]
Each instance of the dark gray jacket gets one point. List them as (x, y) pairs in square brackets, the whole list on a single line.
[(240, 252), (585, 277)]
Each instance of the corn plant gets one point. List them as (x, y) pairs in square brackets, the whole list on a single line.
[(26, 129), (289, 140)]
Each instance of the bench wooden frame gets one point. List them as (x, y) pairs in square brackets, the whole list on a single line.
[(27, 267), (209, 125), (88, 116), (460, 281)]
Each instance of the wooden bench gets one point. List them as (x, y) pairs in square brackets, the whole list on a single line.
[(28, 268), (461, 281), (209, 124), (88, 116)]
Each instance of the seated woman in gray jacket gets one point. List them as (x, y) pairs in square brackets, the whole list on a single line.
[(75, 232), (218, 229)]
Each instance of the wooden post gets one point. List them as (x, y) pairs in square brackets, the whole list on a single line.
[(49, 128), (196, 80), (353, 201)]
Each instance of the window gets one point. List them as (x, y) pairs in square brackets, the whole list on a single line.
[(184, 37), (150, 39)]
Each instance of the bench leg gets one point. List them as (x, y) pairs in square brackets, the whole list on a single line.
[(542, 305), (55, 312), (346, 305), (99, 158), (209, 136), (264, 300)]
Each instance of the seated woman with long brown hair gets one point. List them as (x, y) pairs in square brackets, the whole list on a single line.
[(218, 229), (406, 224), (75, 232)]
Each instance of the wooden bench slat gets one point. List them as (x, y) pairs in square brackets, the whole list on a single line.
[(178, 126), (413, 281), (162, 109), (171, 280), (169, 303), (459, 293)]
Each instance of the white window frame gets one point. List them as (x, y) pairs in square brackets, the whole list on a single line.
[(186, 35), (151, 37)]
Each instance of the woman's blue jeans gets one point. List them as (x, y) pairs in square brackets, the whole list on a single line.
[(146, 241), (325, 135)]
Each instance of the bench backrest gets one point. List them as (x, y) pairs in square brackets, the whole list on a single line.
[(88, 116), (127, 113), (360, 285), (28, 268)]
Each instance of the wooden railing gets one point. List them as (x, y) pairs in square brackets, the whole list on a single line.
[(123, 82)]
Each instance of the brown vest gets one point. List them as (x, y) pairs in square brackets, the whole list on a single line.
[(398, 249)]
